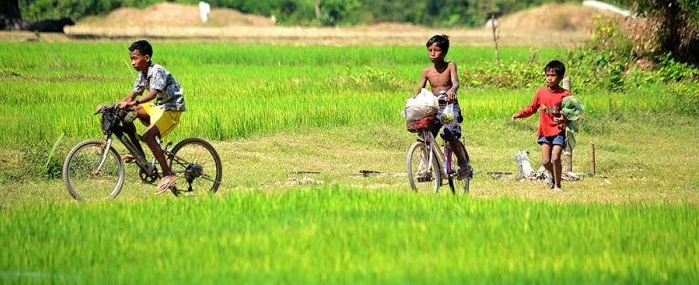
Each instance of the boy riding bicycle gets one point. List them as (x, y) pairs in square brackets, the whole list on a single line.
[(443, 77), (159, 118)]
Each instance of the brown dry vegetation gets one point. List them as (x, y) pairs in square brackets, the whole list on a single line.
[(558, 25), (174, 15), (555, 17)]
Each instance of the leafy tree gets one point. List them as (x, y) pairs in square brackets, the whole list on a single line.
[(677, 23), (10, 16)]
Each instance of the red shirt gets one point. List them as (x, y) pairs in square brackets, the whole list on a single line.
[(548, 102)]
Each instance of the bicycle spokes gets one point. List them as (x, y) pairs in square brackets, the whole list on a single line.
[(92, 171), (422, 168), (198, 162)]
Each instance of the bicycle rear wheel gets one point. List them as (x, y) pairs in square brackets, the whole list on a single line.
[(198, 163), (90, 174), (423, 174)]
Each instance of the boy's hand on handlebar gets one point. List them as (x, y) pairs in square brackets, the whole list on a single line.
[(124, 104), (451, 96), (121, 105), (99, 108)]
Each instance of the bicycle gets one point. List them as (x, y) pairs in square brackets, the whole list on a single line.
[(428, 166), (93, 169)]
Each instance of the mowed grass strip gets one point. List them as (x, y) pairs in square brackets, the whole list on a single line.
[(332, 234)]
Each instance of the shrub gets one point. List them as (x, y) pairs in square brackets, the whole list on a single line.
[(511, 76), (604, 60), (685, 98)]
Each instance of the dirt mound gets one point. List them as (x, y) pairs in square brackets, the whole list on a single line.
[(554, 17), (175, 15), (566, 25)]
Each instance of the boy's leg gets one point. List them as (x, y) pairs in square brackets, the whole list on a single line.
[(452, 133), (557, 167), (460, 151), (130, 130), (546, 159), (143, 116), (557, 149), (167, 177), (162, 123), (149, 136)]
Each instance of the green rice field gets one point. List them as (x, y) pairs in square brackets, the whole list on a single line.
[(294, 127)]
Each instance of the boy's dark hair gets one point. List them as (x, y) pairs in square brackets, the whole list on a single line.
[(556, 66), (143, 47), (442, 42)]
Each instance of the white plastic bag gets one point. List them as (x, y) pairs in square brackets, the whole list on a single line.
[(448, 115), (524, 167), (424, 104)]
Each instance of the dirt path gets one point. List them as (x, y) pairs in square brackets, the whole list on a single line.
[(304, 36)]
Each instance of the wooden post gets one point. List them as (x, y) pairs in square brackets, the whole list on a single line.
[(316, 9), (568, 161), (567, 155), (565, 83), (592, 153), (496, 37)]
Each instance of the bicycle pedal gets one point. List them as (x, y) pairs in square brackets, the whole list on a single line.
[(424, 179)]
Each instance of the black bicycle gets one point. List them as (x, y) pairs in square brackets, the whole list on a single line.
[(93, 169)]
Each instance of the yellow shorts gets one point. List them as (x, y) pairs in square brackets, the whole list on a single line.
[(165, 121)]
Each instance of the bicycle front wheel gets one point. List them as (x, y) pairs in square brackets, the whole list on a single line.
[(198, 163), (423, 172), (91, 174)]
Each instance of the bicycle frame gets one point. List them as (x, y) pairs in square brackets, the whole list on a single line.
[(435, 152), (116, 128)]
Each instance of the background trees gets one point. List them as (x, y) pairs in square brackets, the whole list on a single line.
[(674, 23), (464, 13), (677, 23), (10, 17)]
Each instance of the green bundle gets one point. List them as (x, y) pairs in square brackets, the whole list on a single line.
[(573, 110)]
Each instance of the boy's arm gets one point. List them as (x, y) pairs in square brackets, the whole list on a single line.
[(451, 93), (150, 96), (136, 90), (131, 100), (145, 98), (529, 109), (125, 102), (423, 83)]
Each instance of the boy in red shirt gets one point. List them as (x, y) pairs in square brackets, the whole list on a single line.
[(552, 123)]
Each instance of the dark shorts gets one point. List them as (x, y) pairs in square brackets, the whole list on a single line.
[(451, 131), (559, 139)]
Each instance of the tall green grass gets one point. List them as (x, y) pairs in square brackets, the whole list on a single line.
[(335, 235), (51, 89)]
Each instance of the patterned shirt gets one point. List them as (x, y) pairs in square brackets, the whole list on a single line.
[(170, 95), (548, 102)]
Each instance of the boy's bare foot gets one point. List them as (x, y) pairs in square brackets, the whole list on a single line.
[(128, 158), (165, 183), (557, 189)]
